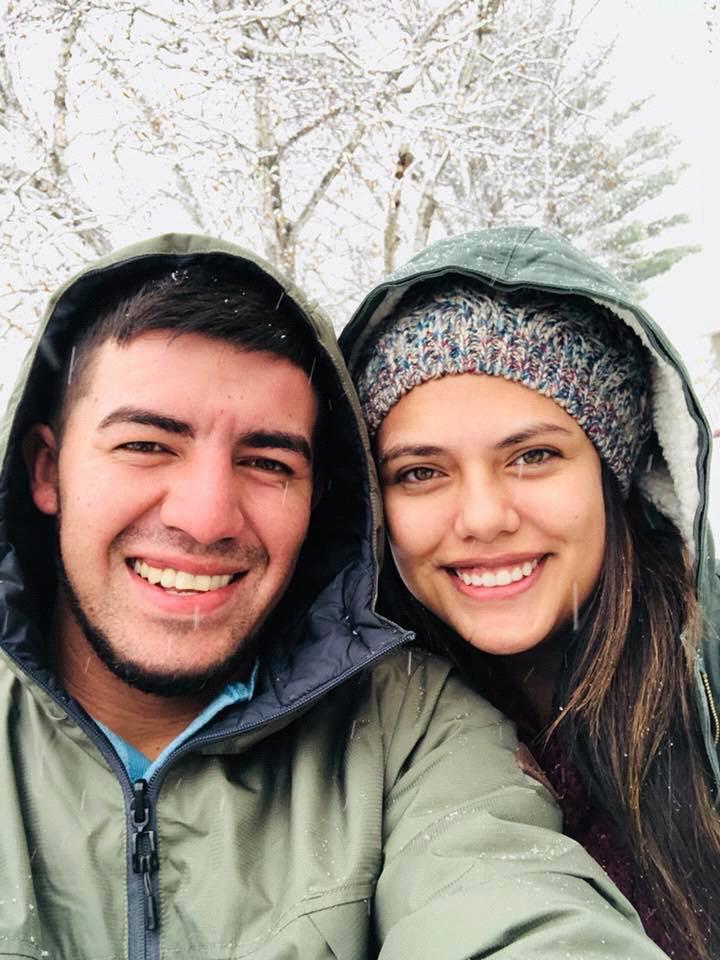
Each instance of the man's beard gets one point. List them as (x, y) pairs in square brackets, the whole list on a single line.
[(165, 684)]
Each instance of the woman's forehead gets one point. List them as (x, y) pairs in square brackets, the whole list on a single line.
[(470, 403)]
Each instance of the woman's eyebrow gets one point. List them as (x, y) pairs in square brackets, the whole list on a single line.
[(426, 450), (529, 433), (409, 450)]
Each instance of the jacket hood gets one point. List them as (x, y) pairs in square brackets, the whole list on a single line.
[(324, 626), (675, 476)]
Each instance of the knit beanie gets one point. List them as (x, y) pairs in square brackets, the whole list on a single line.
[(569, 350)]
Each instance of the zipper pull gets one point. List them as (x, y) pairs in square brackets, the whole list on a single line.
[(143, 849), (151, 917)]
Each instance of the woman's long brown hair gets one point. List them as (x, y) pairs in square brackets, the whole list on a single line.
[(631, 717), (628, 713)]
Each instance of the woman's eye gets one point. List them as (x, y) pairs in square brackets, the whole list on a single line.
[(533, 458), (417, 475)]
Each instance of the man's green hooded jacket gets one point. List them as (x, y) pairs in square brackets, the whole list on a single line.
[(362, 804)]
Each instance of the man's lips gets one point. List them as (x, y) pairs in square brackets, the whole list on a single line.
[(185, 577), (194, 605)]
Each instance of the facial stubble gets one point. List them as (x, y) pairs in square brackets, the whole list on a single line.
[(167, 682)]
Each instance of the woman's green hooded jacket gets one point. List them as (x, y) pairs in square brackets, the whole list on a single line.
[(677, 477)]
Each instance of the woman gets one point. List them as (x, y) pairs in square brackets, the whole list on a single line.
[(544, 465)]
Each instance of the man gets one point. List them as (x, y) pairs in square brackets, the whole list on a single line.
[(211, 747)]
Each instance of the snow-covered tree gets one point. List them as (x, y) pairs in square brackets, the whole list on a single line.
[(336, 137)]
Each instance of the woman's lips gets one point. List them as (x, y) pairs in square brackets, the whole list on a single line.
[(497, 581)]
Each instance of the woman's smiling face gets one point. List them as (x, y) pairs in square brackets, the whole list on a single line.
[(494, 504)]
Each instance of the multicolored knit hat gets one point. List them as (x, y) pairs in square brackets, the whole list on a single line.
[(568, 350)]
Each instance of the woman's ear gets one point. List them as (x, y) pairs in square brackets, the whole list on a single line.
[(40, 451)]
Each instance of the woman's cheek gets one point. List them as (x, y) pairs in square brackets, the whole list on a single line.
[(413, 527)]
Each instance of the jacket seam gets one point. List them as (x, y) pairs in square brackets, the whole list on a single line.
[(485, 806), (520, 242), (297, 912), (36, 950)]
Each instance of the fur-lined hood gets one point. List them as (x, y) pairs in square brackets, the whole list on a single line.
[(675, 475)]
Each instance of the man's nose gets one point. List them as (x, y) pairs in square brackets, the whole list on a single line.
[(486, 506), (204, 500)]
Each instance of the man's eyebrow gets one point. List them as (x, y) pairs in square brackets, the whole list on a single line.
[(147, 418), (529, 433), (277, 440)]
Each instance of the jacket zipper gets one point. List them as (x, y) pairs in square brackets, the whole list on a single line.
[(711, 707), (144, 849), (144, 792)]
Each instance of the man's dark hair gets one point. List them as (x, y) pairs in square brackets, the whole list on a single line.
[(250, 312)]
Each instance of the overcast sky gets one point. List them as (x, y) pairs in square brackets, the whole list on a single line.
[(671, 49), (667, 49)]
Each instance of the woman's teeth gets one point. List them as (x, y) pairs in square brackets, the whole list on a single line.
[(497, 578), (179, 579)]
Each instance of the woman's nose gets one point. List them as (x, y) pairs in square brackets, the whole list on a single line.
[(486, 507)]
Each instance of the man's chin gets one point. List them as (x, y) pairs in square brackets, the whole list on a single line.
[(164, 683)]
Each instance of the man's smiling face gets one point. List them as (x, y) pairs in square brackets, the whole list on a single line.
[(183, 486)]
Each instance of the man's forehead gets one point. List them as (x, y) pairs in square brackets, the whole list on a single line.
[(164, 339), (193, 375), (182, 352)]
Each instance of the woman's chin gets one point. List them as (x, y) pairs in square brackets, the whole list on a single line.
[(500, 644)]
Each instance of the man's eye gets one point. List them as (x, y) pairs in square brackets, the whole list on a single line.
[(533, 458), (143, 446), (267, 464)]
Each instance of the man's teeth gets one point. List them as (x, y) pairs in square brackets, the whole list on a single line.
[(497, 578), (179, 579)]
